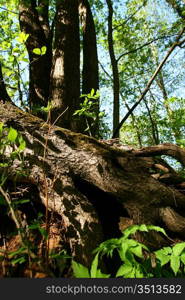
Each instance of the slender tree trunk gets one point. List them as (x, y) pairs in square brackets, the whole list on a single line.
[(90, 74), (65, 76), (114, 63), (35, 23), (155, 115)]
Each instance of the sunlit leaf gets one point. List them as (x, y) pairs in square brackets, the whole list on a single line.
[(12, 134)]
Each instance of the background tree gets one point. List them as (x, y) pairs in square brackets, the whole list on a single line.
[(90, 73), (60, 64)]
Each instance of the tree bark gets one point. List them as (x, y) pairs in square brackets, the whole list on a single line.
[(65, 76), (90, 74), (35, 23), (90, 184), (115, 71)]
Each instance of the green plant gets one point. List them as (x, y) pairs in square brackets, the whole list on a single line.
[(89, 110), (136, 260), (81, 271), (174, 257)]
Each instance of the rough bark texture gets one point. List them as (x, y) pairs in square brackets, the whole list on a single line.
[(35, 23), (90, 76), (55, 76), (88, 180), (65, 77)]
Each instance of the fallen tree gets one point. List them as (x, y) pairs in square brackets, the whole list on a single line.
[(89, 185)]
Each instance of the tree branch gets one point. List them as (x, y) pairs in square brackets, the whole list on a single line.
[(163, 149), (176, 43), (114, 64), (142, 46)]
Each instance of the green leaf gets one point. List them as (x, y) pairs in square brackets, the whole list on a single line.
[(138, 272), (22, 38), (122, 251), (156, 228), (175, 263), (34, 226), (137, 251), (94, 267), (143, 227), (162, 257), (99, 274), (92, 93), (182, 257), (167, 250), (178, 248), (12, 134), (37, 51), (19, 260), (21, 201), (124, 269), (4, 165), (1, 127), (43, 50), (130, 230), (79, 270), (20, 250), (22, 146), (108, 246), (62, 255)]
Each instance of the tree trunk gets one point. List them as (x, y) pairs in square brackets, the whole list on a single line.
[(114, 63), (90, 185), (65, 77), (35, 23), (3, 92), (90, 75)]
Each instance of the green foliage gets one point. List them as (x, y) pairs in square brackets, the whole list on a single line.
[(13, 53), (174, 256), (89, 110), (136, 260), (22, 37), (88, 105), (81, 271), (40, 51), (12, 144)]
